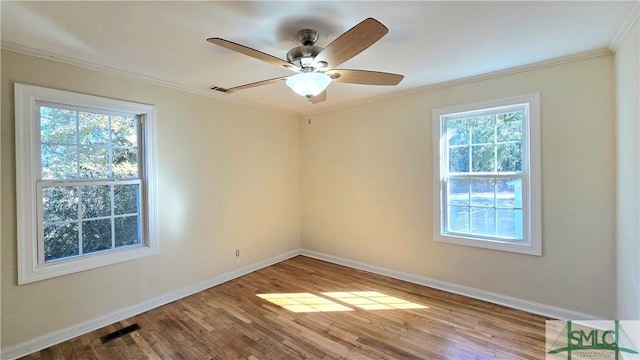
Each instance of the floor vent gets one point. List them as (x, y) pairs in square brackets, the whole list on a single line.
[(118, 333)]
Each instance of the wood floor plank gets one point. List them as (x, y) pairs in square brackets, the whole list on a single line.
[(230, 321)]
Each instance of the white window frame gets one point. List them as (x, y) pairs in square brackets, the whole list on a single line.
[(532, 218), (31, 267)]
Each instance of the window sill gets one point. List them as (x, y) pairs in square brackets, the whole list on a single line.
[(524, 248), (86, 262)]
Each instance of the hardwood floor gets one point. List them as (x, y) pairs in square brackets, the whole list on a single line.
[(230, 321)]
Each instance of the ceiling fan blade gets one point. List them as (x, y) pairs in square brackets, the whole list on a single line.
[(319, 98), (253, 53), (351, 43), (365, 77), (258, 83)]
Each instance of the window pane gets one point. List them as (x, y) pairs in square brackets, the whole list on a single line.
[(509, 126), (60, 241), (60, 203), (482, 192), (57, 126), (509, 193), (124, 131), (458, 219), (94, 128), (127, 231), (483, 221), (483, 130), (96, 201), (126, 199), (486, 160), (58, 162), (94, 162), (458, 131), (510, 223), (96, 235), (510, 157), (459, 159), (483, 158), (458, 192), (125, 163)]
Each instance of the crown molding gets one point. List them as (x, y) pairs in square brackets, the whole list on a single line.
[(21, 49), (625, 27), (486, 76), (26, 50)]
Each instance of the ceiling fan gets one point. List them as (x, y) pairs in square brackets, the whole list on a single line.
[(316, 66)]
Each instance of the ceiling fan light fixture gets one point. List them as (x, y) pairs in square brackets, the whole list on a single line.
[(308, 84)]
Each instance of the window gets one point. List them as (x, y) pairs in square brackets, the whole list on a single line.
[(85, 182), (487, 162)]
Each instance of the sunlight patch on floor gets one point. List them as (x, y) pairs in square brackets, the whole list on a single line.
[(366, 300), (373, 300), (303, 302)]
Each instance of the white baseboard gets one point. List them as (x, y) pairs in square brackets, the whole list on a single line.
[(30, 346), (495, 298), (43, 342)]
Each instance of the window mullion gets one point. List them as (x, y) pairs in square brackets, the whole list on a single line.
[(40, 227), (110, 148), (495, 144), (113, 214), (140, 147), (77, 146), (469, 206), (80, 206), (111, 186), (38, 142), (470, 144), (495, 168), (495, 207)]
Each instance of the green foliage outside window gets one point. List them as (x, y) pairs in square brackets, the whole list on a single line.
[(85, 211), (492, 143), (485, 145)]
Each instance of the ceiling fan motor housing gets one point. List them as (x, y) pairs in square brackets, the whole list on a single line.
[(302, 56)]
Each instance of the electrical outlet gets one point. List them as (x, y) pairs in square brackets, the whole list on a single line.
[(237, 253)]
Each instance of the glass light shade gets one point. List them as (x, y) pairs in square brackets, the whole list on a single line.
[(308, 84)]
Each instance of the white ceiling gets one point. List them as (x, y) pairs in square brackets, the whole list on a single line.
[(429, 42)]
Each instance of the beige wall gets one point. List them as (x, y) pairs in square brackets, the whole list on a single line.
[(366, 188), (628, 177), (233, 177), (228, 179)]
